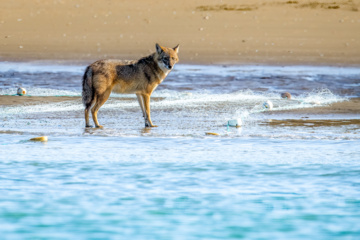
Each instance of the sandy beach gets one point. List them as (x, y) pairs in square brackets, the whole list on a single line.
[(209, 32)]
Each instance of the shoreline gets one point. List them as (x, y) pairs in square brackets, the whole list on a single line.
[(220, 60), (348, 107), (207, 58), (225, 64)]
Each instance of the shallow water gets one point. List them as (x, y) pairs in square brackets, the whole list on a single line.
[(281, 178)]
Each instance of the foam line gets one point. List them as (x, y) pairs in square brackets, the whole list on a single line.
[(246, 100), (42, 92), (218, 70)]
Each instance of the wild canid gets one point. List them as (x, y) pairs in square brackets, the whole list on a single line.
[(139, 76)]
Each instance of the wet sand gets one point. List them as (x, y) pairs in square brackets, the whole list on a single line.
[(311, 123), (251, 32), (34, 100), (29, 100), (352, 106)]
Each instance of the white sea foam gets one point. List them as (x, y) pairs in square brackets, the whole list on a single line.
[(218, 108), (218, 70)]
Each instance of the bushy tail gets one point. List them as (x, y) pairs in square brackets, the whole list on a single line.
[(87, 90)]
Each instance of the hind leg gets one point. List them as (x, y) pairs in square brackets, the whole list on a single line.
[(100, 100), (87, 124), (87, 112)]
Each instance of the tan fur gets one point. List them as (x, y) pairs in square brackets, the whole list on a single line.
[(140, 77)]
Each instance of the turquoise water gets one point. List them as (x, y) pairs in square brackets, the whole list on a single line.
[(260, 181), (169, 188)]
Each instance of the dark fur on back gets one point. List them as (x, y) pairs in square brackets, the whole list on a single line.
[(150, 71), (146, 67)]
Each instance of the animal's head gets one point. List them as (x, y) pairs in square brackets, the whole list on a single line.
[(167, 57)]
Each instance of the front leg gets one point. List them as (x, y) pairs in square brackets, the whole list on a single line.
[(141, 103), (148, 122)]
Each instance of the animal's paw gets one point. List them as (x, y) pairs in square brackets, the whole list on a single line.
[(100, 126), (149, 125)]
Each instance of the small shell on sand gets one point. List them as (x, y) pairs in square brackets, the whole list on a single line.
[(286, 95), (39, 139), (268, 105), (211, 133)]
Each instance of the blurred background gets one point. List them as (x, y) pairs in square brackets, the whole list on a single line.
[(228, 31)]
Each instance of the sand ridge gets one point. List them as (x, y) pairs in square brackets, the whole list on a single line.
[(344, 5)]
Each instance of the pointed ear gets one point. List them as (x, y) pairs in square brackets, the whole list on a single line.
[(176, 49), (158, 48)]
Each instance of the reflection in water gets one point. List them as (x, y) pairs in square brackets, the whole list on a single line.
[(146, 130)]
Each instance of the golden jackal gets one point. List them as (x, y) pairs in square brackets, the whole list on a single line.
[(139, 76)]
